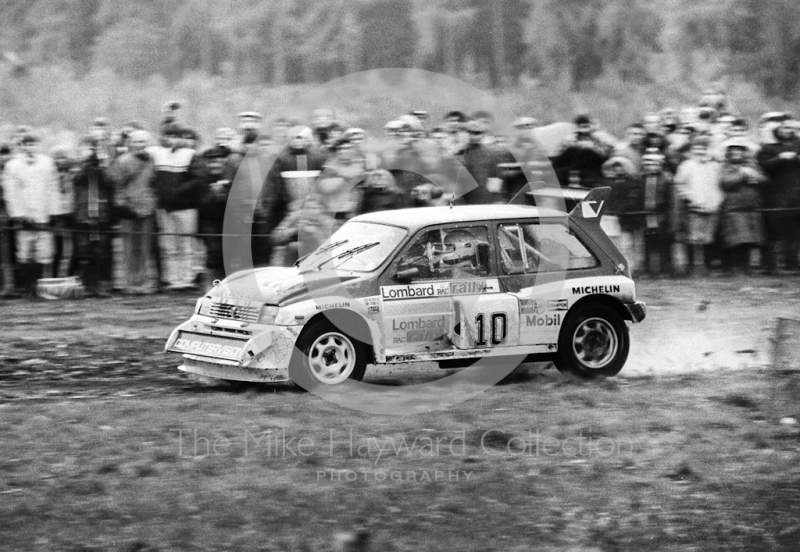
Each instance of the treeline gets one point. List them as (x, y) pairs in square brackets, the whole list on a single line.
[(504, 42)]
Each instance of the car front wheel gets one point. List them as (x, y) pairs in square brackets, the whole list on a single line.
[(325, 355), (594, 342)]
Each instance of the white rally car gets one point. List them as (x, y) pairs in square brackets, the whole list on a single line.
[(440, 284)]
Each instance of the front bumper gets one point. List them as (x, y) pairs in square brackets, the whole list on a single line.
[(212, 345), (637, 310), (219, 370)]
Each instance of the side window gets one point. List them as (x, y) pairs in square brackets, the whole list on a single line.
[(557, 248), (530, 248), (513, 258), (449, 253)]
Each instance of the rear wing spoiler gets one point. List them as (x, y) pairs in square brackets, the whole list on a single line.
[(593, 205)]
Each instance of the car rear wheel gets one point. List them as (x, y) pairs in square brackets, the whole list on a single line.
[(325, 355), (594, 342)]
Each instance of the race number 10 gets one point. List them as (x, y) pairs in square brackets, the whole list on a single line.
[(498, 328)]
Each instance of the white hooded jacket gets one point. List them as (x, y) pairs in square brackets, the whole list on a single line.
[(31, 188)]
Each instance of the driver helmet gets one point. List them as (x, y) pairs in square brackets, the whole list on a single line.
[(462, 248)]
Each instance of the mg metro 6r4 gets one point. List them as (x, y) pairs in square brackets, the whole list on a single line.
[(441, 284)]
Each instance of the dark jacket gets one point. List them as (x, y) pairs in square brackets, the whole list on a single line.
[(177, 173), (632, 197), (740, 224), (407, 167), (741, 187), (94, 194), (287, 185), (586, 161), (782, 190), (481, 162), (216, 176)]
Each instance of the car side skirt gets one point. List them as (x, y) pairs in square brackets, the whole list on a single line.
[(473, 353)]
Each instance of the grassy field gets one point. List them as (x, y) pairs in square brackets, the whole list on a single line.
[(107, 447)]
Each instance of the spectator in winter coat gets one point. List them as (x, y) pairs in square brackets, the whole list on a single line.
[(175, 184), (581, 157), (63, 221), (406, 162), (623, 224), (94, 218), (30, 189), (481, 164), (288, 184), (741, 224), (633, 147), (658, 200), (455, 126), (6, 251), (697, 184), (781, 163), (333, 199), (136, 203), (219, 171)]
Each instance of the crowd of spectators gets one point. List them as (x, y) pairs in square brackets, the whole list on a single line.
[(136, 212)]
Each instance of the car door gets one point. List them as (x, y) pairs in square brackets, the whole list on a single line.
[(535, 258), (442, 295)]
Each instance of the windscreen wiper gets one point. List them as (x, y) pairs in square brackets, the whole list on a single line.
[(319, 251), (348, 253)]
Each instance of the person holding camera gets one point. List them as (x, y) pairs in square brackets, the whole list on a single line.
[(581, 156), (94, 218)]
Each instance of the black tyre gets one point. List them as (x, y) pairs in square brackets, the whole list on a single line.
[(325, 355), (594, 342)]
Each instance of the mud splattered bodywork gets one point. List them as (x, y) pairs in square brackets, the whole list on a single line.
[(442, 284)]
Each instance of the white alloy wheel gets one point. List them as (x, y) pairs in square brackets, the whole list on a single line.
[(595, 343), (332, 358)]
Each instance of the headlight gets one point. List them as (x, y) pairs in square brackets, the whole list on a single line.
[(268, 314), (199, 305)]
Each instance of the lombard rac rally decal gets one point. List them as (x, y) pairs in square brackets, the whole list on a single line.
[(439, 289), (419, 329)]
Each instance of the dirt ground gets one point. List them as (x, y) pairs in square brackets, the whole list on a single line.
[(106, 446)]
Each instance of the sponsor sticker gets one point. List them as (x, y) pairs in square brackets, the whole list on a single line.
[(533, 306), (558, 305), (588, 210), (543, 321), (240, 293), (331, 306), (439, 289), (593, 290), (419, 329), (373, 305), (210, 346)]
